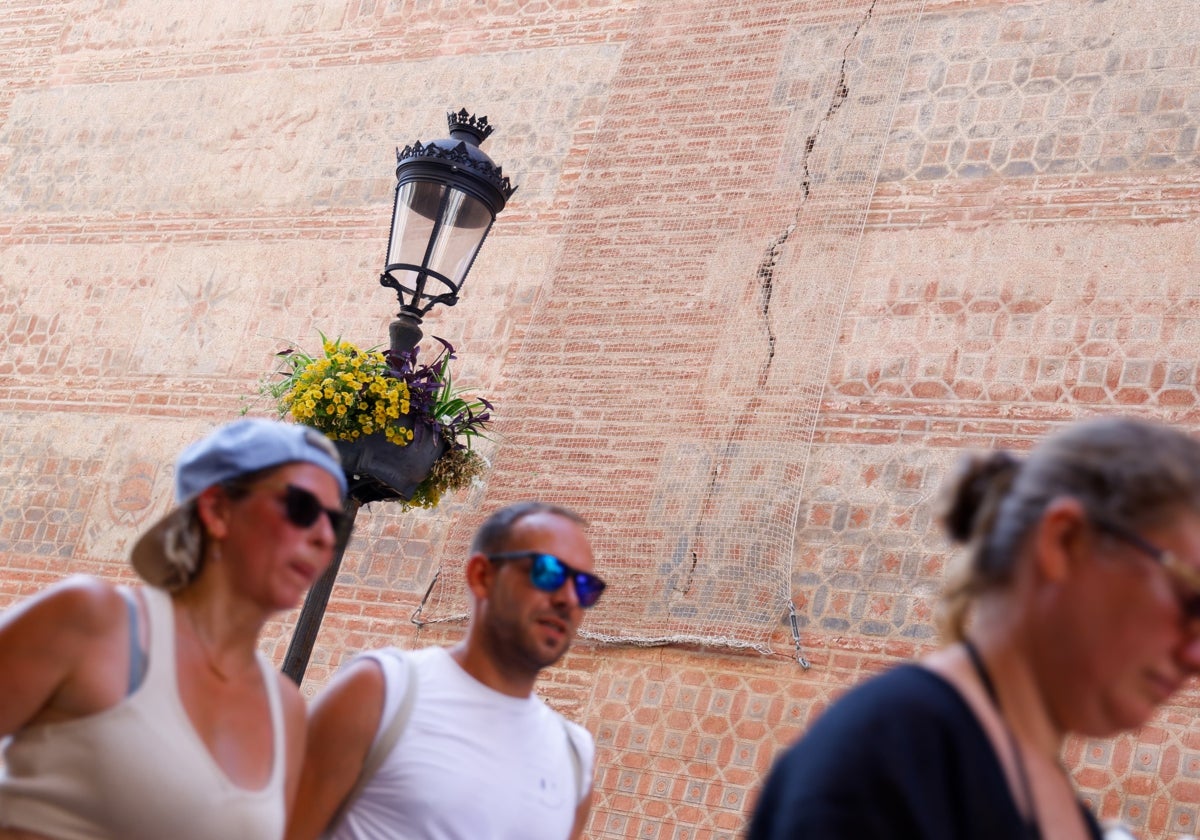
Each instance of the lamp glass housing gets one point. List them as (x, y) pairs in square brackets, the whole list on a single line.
[(437, 229)]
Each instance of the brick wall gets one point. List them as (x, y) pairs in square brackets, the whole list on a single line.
[(978, 220)]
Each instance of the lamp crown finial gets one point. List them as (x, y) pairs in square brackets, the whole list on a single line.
[(466, 126)]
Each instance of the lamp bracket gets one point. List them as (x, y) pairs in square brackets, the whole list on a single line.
[(420, 301)]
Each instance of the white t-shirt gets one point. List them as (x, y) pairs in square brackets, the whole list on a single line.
[(471, 763)]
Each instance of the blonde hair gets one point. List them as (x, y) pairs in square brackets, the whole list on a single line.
[(1133, 473)]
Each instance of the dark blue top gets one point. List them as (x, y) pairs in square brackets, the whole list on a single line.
[(901, 756)]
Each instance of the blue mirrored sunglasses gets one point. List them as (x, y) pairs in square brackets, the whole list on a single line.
[(548, 574)]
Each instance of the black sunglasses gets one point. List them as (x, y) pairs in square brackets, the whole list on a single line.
[(1186, 576), (303, 509), (548, 574)]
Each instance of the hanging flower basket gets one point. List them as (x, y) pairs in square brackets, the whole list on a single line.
[(403, 430), (378, 470)]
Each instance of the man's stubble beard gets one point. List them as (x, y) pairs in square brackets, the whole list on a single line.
[(513, 646)]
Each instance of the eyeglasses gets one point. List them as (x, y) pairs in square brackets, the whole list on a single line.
[(303, 509), (548, 574), (1184, 574)]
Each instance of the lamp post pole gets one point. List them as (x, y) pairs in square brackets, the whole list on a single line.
[(295, 661), (448, 194)]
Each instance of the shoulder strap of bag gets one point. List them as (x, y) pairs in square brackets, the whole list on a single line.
[(576, 761), (386, 741)]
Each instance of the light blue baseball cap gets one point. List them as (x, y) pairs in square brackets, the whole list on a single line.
[(168, 555), (249, 445)]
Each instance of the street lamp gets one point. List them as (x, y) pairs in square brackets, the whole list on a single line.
[(448, 193)]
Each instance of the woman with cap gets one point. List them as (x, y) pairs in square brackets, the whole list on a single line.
[(149, 713), (1077, 611)]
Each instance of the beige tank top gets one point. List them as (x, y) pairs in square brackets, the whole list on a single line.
[(139, 770)]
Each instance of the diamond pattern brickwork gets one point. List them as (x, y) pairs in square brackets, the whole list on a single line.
[(1024, 90), (1069, 321)]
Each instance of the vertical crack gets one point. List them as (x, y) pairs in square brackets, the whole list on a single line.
[(766, 287), (766, 268), (841, 92), (765, 277)]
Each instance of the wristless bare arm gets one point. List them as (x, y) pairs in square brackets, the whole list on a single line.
[(342, 723)]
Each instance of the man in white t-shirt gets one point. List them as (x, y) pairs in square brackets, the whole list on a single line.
[(478, 755)]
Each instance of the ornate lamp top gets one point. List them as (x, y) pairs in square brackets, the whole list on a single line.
[(461, 153)]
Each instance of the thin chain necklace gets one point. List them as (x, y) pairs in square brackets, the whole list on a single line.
[(1033, 831), (209, 659)]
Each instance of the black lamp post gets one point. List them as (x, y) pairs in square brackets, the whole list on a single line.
[(448, 194)]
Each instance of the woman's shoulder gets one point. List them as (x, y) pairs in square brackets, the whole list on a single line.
[(909, 689), (80, 602), (900, 712), (88, 587), (899, 755), (59, 653), (291, 701)]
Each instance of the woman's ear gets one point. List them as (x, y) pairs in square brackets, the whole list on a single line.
[(212, 506), (1059, 537)]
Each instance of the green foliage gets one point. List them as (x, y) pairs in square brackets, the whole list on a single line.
[(347, 393)]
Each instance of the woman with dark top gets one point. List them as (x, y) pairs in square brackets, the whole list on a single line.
[(148, 713), (1076, 611)]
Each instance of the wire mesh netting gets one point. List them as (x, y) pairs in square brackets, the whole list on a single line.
[(672, 372)]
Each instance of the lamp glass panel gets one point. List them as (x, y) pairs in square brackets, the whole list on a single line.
[(464, 225), (417, 204)]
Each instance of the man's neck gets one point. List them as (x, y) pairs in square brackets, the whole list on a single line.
[(479, 665)]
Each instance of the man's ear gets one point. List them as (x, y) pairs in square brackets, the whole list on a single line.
[(212, 506), (1059, 537), (480, 573)]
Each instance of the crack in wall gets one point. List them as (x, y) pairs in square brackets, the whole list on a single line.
[(765, 276), (766, 287), (841, 92)]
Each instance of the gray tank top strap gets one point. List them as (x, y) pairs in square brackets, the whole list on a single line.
[(137, 655), (160, 615)]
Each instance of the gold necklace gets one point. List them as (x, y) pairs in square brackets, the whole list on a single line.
[(209, 659)]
